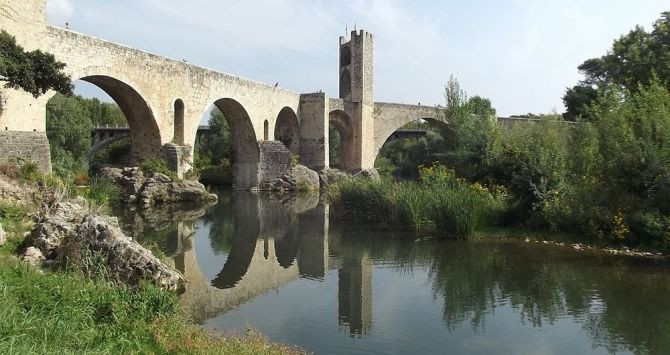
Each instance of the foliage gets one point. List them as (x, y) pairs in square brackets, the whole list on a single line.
[(637, 58), (334, 149), (104, 191), (213, 156), (70, 121), (627, 189), (35, 72), (441, 203), (157, 165)]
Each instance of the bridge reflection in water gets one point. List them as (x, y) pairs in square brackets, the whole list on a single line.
[(262, 244)]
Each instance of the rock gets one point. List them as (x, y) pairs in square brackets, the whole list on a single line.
[(158, 188), (126, 260), (330, 176), (56, 225), (305, 178), (33, 256), (301, 178), (68, 233), (371, 173), (3, 236)]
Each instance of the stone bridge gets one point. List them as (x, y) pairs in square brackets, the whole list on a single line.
[(164, 100)]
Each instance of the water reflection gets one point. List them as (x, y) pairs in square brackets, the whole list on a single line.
[(467, 296)]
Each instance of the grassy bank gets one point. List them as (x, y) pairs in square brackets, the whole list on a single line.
[(63, 312), (46, 311), (440, 204)]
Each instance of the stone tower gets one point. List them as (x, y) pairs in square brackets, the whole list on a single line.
[(356, 89)]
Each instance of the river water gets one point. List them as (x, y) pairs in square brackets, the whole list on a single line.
[(282, 266)]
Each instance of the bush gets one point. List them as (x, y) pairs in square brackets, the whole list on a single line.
[(104, 191), (157, 165), (441, 203)]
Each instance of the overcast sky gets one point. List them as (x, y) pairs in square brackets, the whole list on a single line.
[(521, 54)]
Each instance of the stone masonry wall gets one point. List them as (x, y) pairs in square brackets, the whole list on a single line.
[(275, 161), (27, 146)]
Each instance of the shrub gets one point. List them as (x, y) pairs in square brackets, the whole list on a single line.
[(104, 191), (441, 203), (29, 170), (157, 165)]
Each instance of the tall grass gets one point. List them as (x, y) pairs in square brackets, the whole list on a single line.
[(439, 204)]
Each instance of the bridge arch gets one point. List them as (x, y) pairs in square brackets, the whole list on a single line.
[(287, 130), (144, 131), (391, 117), (345, 127), (246, 153)]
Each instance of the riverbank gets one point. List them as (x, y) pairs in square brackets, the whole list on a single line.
[(68, 311), (441, 205)]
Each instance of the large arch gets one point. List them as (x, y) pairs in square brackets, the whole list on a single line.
[(145, 135), (287, 130), (391, 117), (344, 125), (387, 136), (246, 152)]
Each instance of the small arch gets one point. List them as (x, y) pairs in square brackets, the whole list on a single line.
[(266, 129), (345, 56), (343, 124), (179, 122), (287, 130)]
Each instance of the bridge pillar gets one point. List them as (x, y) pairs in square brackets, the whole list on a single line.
[(314, 130)]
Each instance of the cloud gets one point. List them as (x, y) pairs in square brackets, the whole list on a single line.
[(59, 11)]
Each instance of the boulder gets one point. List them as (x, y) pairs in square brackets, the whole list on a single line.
[(305, 178), (329, 176), (68, 234), (157, 188), (33, 256), (3, 236), (125, 260), (301, 178), (56, 225)]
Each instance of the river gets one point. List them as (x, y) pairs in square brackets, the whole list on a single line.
[(284, 267)]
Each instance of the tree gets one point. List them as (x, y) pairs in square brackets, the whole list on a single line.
[(35, 72), (635, 59), (69, 132), (577, 101)]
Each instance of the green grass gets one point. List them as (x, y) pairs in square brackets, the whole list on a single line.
[(440, 204), (45, 312)]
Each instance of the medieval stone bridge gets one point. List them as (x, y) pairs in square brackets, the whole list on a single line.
[(164, 100)]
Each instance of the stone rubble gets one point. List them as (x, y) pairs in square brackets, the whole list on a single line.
[(625, 251), (157, 188), (70, 235)]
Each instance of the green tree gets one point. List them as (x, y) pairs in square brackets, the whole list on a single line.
[(577, 100), (635, 59), (69, 131), (35, 72)]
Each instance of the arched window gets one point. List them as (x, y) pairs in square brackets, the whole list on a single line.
[(266, 129), (179, 122)]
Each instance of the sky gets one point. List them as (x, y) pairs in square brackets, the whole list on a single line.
[(521, 54)]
